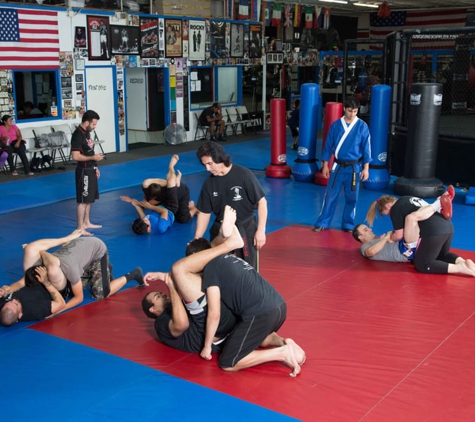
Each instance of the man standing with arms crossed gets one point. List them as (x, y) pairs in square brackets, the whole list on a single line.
[(87, 172)]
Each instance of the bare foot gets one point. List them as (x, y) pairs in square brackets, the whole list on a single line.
[(93, 226), (178, 178), (470, 266), (173, 160), (229, 220), (155, 276), (86, 233), (298, 351), (291, 360)]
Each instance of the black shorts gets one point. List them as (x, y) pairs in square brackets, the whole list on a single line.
[(295, 131), (249, 334), (87, 188)]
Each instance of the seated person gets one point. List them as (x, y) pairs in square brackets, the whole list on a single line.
[(180, 318), (293, 122), (30, 110), (175, 199), (36, 301), (67, 266), (161, 219), (212, 117), (11, 139), (3, 154)]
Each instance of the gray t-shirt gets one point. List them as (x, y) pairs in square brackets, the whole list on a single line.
[(78, 254), (390, 252)]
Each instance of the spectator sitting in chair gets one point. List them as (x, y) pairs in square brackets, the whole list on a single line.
[(30, 110), (212, 117), (10, 137)]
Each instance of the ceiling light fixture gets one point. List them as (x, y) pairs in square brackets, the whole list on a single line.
[(366, 5), (334, 1)]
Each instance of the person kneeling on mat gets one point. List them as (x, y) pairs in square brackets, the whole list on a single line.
[(424, 239), (78, 263), (180, 318)]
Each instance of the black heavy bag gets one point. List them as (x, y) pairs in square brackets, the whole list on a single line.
[(425, 105)]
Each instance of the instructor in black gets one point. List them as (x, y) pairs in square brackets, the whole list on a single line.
[(87, 172)]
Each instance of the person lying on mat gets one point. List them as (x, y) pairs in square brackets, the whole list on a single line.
[(176, 199), (180, 318), (78, 263), (34, 302), (425, 235), (163, 214)]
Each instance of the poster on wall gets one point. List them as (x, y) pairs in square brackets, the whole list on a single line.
[(98, 37), (218, 40), (255, 41), (149, 38), (124, 39), (80, 37), (197, 38), (237, 40), (173, 44)]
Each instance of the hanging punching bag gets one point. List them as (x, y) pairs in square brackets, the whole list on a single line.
[(422, 140)]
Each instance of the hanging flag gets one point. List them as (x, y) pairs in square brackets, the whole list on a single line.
[(243, 10), (29, 39), (326, 17), (297, 16), (288, 15), (318, 10), (266, 13), (379, 27), (308, 17), (257, 11), (276, 14)]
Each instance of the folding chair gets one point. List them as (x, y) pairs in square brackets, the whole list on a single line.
[(199, 126), (46, 130), (29, 136), (243, 117), (97, 141), (66, 129)]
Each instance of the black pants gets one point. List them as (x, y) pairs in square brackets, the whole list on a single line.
[(21, 151), (433, 255)]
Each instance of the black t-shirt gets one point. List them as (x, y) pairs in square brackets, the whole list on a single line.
[(35, 302), (192, 340), (433, 226), (239, 189), (242, 288), (81, 141), (206, 112)]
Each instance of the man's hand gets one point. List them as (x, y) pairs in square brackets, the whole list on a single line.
[(206, 353), (146, 205), (5, 290), (364, 175), (98, 157), (127, 199), (259, 239), (42, 276), (325, 170)]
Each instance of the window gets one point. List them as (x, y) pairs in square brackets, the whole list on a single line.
[(201, 87), (35, 93), (227, 85)]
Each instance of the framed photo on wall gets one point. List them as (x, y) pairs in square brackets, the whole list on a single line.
[(149, 38), (173, 38), (237, 40), (124, 40), (196, 40), (98, 37), (255, 41)]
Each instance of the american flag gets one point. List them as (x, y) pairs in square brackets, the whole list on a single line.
[(379, 28), (29, 39)]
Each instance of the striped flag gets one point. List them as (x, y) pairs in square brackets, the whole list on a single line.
[(379, 28), (276, 14), (266, 13), (308, 17), (29, 39), (243, 10), (297, 12)]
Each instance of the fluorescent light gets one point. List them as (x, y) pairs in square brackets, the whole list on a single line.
[(366, 5), (334, 1)]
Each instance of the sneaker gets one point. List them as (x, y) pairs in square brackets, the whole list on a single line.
[(30, 173), (221, 138), (318, 229), (14, 173), (212, 138), (446, 206), (295, 147)]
